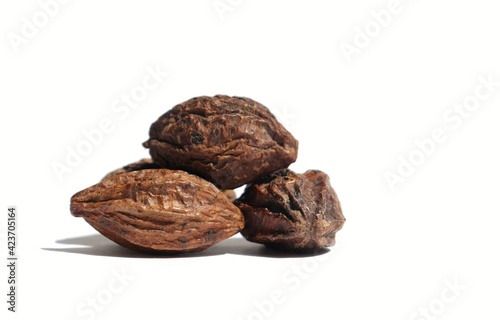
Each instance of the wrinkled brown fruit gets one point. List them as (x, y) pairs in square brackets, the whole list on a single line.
[(146, 163), (158, 210), (229, 141), (292, 212)]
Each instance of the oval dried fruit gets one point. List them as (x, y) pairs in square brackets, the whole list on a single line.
[(230, 141), (292, 212), (159, 210)]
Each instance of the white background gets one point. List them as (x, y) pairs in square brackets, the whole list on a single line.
[(356, 121)]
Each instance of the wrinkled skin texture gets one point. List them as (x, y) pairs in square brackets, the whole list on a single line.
[(159, 210), (292, 212), (146, 163), (229, 141)]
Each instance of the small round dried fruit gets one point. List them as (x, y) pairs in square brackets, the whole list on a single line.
[(229, 141), (292, 212)]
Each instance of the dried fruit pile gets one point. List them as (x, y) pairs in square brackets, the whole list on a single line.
[(181, 200)]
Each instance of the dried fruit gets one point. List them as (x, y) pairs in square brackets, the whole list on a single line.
[(147, 163), (142, 164), (171, 203), (293, 212), (158, 210), (229, 141)]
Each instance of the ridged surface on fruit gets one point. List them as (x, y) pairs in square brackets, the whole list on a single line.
[(229, 141), (292, 212), (159, 210)]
